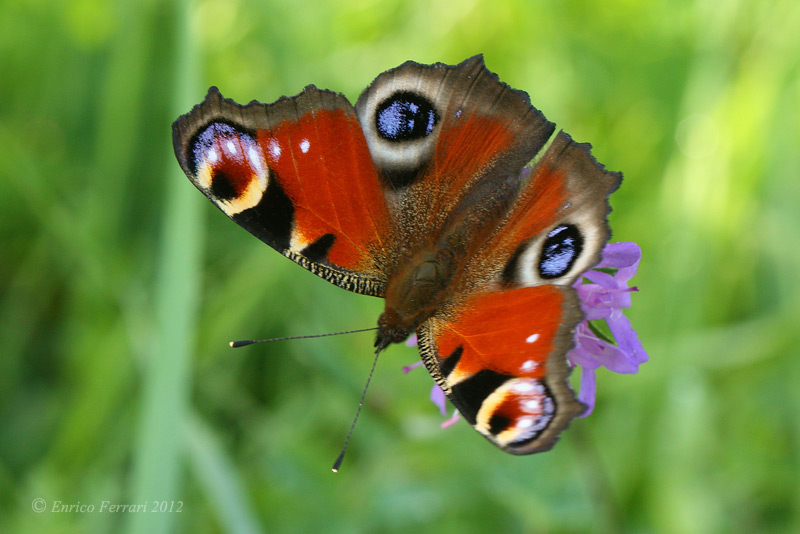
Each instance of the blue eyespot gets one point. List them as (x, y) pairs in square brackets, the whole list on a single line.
[(405, 116), (559, 251)]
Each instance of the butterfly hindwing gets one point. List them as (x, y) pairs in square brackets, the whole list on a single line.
[(499, 358), (298, 175)]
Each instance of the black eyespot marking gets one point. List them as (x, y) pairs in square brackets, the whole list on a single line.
[(317, 250), (222, 188), (560, 250), (498, 423), (405, 116)]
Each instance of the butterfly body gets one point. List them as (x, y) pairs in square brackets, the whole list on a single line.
[(428, 279), (420, 194)]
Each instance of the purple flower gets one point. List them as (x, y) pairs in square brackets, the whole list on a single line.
[(602, 298), (437, 395), (439, 398)]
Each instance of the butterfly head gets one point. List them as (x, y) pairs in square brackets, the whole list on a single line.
[(390, 330)]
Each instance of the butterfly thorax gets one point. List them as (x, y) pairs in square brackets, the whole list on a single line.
[(416, 292)]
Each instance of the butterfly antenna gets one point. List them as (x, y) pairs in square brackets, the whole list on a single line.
[(338, 461), (245, 342)]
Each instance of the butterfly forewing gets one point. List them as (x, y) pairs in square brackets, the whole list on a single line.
[(477, 132), (298, 175)]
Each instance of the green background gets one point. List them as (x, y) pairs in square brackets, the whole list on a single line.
[(120, 285)]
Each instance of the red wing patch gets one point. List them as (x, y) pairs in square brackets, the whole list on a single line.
[(508, 332), (323, 164)]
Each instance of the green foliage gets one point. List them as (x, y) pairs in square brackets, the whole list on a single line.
[(120, 285)]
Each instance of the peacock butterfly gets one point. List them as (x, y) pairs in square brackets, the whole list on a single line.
[(422, 194)]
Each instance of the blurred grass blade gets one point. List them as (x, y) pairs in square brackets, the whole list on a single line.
[(158, 458), (218, 476)]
